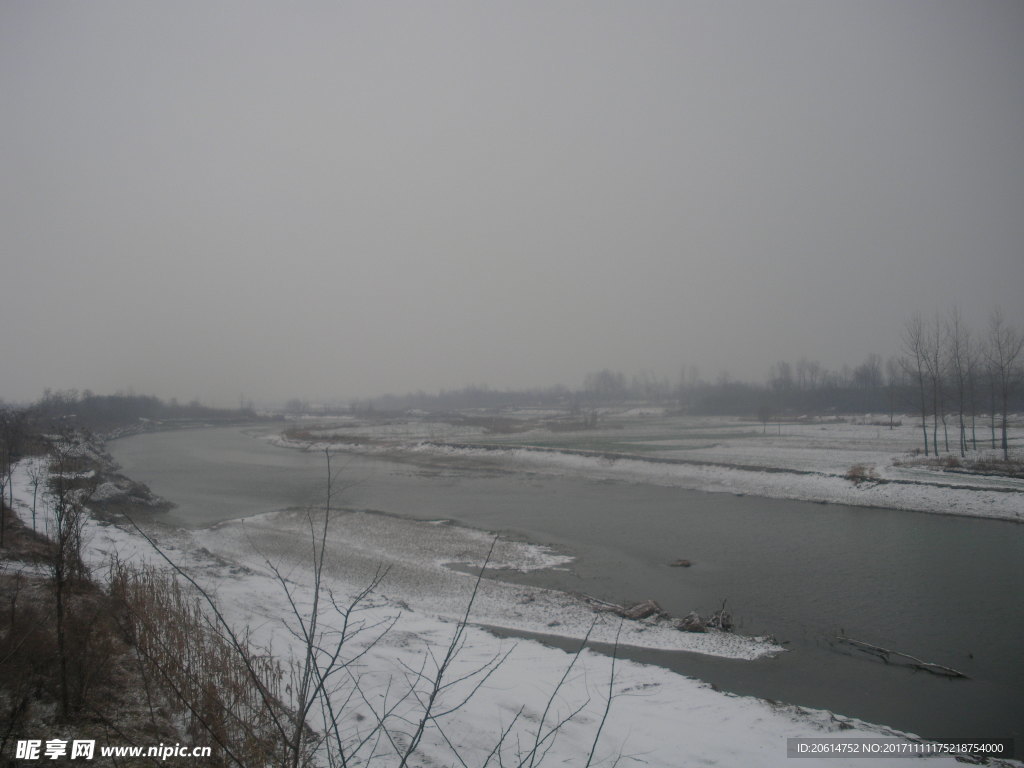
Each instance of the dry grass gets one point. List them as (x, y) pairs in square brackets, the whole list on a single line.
[(144, 666), (862, 473), (99, 662), (228, 694), (985, 464)]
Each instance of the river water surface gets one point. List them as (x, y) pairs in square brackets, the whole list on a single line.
[(947, 590)]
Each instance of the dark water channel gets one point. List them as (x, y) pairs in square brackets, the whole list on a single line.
[(944, 589)]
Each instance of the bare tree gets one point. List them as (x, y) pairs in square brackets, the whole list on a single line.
[(36, 475), (958, 354), (804, 380), (974, 372), (605, 385), (868, 375), (893, 380), (934, 359), (68, 504), (319, 673), (1004, 359), (11, 443), (781, 377), (915, 349)]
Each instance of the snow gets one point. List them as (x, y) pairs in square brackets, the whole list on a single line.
[(803, 460), (657, 718), (106, 491), (417, 554)]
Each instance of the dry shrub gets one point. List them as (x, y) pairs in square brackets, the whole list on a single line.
[(983, 465), (228, 693), (1012, 467), (30, 670), (95, 644), (28, 650), (862, 473)]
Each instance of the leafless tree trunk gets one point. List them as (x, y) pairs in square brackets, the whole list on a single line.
[(958, 354), (915, 349), (12, 446), (893, 376), (933, 364), (973, 366), (36, 475)]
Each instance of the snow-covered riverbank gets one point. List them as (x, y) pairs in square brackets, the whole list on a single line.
[(808, 461), (657, 718)]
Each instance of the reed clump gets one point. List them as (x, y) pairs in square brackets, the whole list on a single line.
[(225, 688)]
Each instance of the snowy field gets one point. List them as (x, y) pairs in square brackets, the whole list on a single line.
[(802, 459), (656, 718)]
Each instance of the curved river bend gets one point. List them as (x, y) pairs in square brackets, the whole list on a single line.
[(944, 589)]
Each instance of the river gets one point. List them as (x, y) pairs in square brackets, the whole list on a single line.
[(944, 589)]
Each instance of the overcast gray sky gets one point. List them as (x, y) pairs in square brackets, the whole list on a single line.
[(335, 199)]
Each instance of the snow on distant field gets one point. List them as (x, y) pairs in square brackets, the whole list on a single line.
[(799, 460), (657, 718), (936, 495), (397, 430)]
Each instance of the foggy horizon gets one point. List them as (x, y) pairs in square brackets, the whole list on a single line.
[(331, 201)]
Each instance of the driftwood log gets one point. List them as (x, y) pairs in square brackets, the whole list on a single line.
[(643, 610), (886, 654), (692, 622), (649, 609)]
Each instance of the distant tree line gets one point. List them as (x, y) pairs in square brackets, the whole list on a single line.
[(957, 374), (814, 391), (946, 374), (475, 396), (100, 413), (802, 388), (26, 431)]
